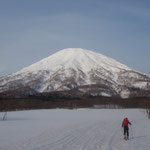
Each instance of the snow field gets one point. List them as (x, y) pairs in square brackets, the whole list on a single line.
[(81, 129)]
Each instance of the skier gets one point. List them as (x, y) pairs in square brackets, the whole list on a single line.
[(126, 129)]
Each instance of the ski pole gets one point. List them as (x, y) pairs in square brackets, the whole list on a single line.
[(122, 132), (131, 132)]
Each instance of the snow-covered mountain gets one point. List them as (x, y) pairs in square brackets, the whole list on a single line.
[(79, 72)]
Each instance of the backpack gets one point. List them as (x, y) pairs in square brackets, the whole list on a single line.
[(125, 122)]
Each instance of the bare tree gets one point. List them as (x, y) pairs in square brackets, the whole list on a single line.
[(5, 116), (148, 112)]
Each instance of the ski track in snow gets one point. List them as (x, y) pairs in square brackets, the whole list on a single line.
[(96, 135), (79, 138)]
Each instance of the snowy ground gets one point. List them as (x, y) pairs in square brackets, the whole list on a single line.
[(81, 129)]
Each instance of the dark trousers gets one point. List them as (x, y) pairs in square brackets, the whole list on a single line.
[(126, 131)]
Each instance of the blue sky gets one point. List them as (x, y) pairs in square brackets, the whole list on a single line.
[(31, 30)]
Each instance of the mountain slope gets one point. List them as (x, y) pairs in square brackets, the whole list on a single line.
[(79, 71)]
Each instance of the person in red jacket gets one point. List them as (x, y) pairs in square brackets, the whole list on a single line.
[(125, 124)]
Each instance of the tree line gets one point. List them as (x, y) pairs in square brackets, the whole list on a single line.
[(48, 102)]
